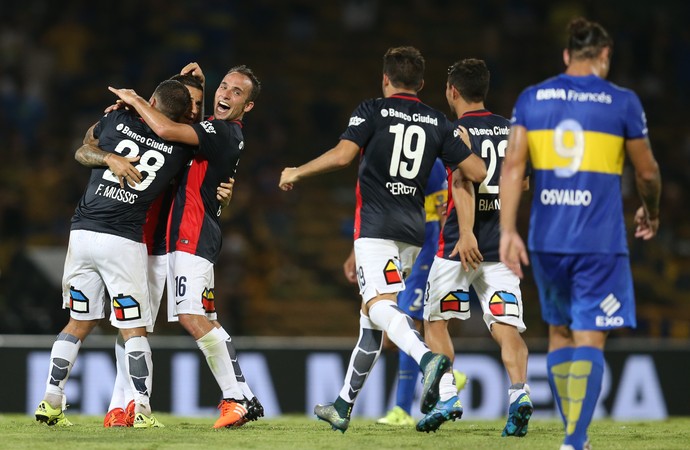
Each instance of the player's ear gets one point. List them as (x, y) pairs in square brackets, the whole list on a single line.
[(386, 80), (421, 86), (248, 106), (566, 57)]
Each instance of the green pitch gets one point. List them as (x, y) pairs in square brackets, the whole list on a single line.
[(300, 432)]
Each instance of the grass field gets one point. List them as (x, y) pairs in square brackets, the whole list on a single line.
[(300, 432)]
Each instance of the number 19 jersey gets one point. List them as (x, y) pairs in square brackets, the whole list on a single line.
[(400, 138), (576, 130)]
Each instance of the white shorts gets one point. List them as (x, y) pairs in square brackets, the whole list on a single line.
[(497, 287), (103, 268), (382, 266), (158, 272), (190, 286)]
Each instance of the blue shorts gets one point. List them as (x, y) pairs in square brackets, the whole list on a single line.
[(592, 291), (411, 300)]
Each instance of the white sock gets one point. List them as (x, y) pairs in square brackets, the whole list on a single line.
[(388, 317), (212, 344), (62, 357), (140, 370), (363, 358), (117, 400), (516, 390), (447, 388), (246, 391)]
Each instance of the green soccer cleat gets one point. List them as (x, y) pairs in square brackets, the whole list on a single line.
[(397, 416), (451, 409), (460, 380), (433, 372), (329, 414), (518, 416), (142, 421), (54, 417)]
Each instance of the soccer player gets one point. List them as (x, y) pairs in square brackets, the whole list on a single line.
[(576, 128), (194, 237), (106, 252), (468, 255), (398, 139)]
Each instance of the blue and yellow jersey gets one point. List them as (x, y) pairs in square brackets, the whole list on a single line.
[(436, 192), (576, 131)]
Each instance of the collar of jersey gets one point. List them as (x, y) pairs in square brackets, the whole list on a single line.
[(477, 113), (406, 96)]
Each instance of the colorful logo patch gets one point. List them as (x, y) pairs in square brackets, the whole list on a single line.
[(392, 273), (504, 304), (126, 308), (78, 301), (208, 299), (458, 301)]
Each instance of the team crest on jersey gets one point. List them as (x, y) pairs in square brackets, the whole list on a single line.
[(208, 299), (126, 308), (78, 301), (392, 272), (457, 301), (504, 304)]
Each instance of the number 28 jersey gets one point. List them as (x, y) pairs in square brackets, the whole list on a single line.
[(400, 138), (576, 131), (105, 207)]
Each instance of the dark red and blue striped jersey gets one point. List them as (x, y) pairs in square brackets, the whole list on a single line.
[(105, 207), (193, 226), (400, 138)]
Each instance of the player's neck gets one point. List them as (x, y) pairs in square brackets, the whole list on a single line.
[(461, 108), (584, 67)]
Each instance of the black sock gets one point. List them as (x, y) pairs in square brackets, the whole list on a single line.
[(344, 408), (425, 360)]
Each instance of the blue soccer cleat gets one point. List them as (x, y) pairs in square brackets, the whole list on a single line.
[(451, 409), (518, 416)]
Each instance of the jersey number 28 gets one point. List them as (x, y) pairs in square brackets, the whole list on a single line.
[(149, 163)]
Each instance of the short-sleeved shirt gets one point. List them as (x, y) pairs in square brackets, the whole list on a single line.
[(106, 207), (400, 138), (193, 226), (576, 130)]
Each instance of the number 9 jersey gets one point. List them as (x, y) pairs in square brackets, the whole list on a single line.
[(400, 138), (576, 132)]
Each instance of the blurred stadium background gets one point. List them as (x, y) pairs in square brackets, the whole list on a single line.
[(280, 270)]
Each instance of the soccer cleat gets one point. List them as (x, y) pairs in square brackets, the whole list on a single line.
[(451, 409), (116, 417), (460, 380), (142, 421), (129, 414), (254, 411), (433, 372), (231, 412), (518, 417), (397, 416), (51, 416), (329, 414)]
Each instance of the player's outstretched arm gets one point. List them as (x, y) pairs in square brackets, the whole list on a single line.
[(161, 125), (463, 198), (336, 158), (91, 155)]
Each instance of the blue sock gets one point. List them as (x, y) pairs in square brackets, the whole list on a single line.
[(584, 387), (557, 370), (408, 372)]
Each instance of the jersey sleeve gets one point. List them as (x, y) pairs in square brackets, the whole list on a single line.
[(518, 117), (106, 119), (215, 136), (361, 126), (636, 121)]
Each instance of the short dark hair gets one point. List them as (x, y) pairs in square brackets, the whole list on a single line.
[(173, 99), (471, 78), (188, 80), (586, 39), (256, 84), (404, 66)]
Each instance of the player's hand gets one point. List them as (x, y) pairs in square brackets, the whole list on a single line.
[(123, 169), (194, 70), (224, 192), (288, 178), (512, 251), (462, 133), (119, 104), (468, 250), (646, 228), (350, 268), (128, 96)]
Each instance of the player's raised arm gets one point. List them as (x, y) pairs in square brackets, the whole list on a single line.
[(336, 158), (163, 126)]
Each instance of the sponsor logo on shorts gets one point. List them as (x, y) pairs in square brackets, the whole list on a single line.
[(457, 301), (392, 272), (504, 304), (208, 299), (126, 308), (78, 301), (610, 305)]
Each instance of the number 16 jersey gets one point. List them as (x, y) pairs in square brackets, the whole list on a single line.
[(400, 138)]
